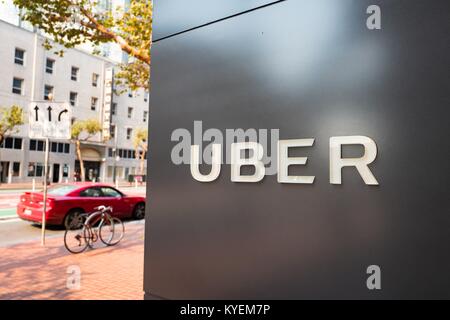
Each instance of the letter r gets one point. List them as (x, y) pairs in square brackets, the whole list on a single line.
[(361, 164)]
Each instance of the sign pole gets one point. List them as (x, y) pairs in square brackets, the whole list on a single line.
[(48, 120), (47, 147)]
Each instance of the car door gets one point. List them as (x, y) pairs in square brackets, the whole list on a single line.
[(115, 199), (91, 198)]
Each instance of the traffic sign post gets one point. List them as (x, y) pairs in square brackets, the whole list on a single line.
[(47, 147), (48, 120)]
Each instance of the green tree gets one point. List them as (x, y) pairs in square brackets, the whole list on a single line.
[(10, 119), (83, 130), (73, 22), (140, 145)]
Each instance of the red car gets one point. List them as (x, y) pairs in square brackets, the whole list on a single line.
[(66, 202)]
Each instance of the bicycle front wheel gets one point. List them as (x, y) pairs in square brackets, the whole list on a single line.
[(111, 231), (75, 240)]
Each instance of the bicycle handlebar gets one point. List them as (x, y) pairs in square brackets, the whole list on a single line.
[(104, 208)]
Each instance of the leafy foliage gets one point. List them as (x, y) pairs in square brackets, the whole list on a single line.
[(10, 119), (89, 127), (140, 139), (73, 22)]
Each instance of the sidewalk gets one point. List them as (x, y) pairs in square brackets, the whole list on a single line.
[(29, 271)]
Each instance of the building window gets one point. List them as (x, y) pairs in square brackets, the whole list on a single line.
[(95, 79), (130, 112), (12, 143), (145, 116), (73, 97), (113, 109), (130, 93), (60, 147), (40, 145), (19, 56), (74, 74), (65, 171), (110, 152), (33, 145), (129, 131), (112, 130), (18, 143), (146, 96), (17, 86), (8, 143), (16, 169), (36, 145), (48, 92), (35, 169), (49, 64), (94, 102)]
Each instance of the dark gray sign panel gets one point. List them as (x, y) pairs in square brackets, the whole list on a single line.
[(173, 16), (313, 70)]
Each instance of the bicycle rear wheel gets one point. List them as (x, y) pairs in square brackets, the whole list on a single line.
[(75, 240), (111, 231)]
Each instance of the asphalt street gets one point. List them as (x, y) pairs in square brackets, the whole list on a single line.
[(14, 230)]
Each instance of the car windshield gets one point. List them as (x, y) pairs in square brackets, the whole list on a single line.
[(61, 190)]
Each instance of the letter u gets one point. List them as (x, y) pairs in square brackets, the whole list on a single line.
[(215, 163)]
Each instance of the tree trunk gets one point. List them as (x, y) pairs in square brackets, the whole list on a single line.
[(141, 167), (80, 159)]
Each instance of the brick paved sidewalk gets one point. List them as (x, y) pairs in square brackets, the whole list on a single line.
[(29, 271)]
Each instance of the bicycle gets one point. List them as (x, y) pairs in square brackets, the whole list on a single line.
[(90, 227)]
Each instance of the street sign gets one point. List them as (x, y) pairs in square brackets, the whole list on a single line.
[(49, 120)]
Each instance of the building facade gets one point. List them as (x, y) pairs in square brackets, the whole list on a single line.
[(31, 73)]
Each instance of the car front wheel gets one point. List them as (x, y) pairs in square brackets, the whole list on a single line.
[(139, 211)]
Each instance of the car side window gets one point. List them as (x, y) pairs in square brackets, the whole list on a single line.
[(110, 192), (91, 192)]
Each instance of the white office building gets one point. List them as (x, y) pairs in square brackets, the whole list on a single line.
[(30, 73)]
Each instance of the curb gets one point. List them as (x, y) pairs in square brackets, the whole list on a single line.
[(3, 219)]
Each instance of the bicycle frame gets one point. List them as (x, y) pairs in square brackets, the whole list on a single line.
[(91, 232), (92, 219)]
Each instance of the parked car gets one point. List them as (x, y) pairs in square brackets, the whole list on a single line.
[(66, 202)]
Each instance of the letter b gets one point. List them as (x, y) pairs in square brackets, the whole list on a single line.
[(255, 160)]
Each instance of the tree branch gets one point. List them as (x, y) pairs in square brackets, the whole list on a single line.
[(118, 39)]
